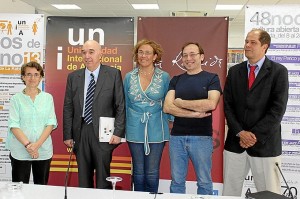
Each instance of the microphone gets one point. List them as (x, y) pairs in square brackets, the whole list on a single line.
[(68, 170), (155, 193), (290, 193)]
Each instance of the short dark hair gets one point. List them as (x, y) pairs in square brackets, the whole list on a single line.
[(201, 51), (31, 64), (157, 49)]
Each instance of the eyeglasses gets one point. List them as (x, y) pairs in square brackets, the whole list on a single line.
[(192, 55), (29, 75), (147, 53)]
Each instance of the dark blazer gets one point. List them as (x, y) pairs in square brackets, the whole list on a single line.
[(259, 110), (108, 102)]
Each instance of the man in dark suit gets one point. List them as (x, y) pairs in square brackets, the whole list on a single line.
[(107, 100), (254, 109)]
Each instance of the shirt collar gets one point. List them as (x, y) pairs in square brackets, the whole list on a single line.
[(258, 64), (95, 73)]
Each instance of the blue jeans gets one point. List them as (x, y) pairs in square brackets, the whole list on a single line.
[(197, 148), (146, 167)]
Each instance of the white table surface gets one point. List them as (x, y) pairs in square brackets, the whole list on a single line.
[(31, 191)]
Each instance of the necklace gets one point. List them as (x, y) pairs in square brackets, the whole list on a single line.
[(24, 91), (145, 73)]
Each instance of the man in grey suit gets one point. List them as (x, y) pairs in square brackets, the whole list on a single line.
[(254, 108), (107, 101)]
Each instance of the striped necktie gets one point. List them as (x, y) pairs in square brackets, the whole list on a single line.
[(251, 76), (89, 100)]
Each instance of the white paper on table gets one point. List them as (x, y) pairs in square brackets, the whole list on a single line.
[(106, 129)]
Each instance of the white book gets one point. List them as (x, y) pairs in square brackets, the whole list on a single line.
[(106, 129)]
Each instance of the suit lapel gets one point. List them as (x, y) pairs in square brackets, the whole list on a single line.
[(100, 81), (243, 72), (81, 81)]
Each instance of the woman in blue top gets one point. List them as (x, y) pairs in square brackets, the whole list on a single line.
[(147, 127), (31, 121)]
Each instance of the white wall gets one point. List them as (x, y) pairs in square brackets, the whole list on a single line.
[(16, 6), (236, 36)]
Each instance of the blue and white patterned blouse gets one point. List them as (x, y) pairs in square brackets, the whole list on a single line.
[(145, 120)]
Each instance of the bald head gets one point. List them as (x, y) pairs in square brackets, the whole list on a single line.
[(91, 54), (93, 43)]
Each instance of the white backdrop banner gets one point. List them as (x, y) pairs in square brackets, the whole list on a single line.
[(282, 22), (21, 41)]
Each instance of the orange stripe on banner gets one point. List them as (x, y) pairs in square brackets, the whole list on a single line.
[(126, 165), (114, 158), (121, 158), (59, 169), (74, 163), (63, 163), (10, 70), (75, 170), (1, 139), (120, 171)]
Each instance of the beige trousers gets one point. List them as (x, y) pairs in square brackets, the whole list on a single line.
[(265, 173)]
